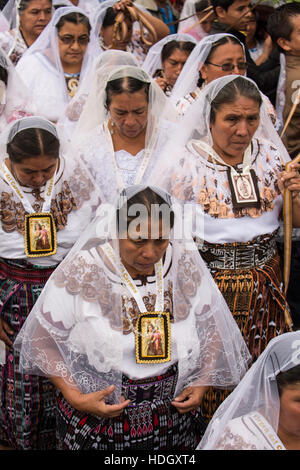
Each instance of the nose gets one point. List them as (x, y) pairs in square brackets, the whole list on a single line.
[(75, 46), (130, 120), (38, 179), (42, 16), (148, 252), (242, 128)]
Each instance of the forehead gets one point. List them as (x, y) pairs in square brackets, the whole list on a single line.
[(38, 5), (295, 21), (228, 51), (129, 101), (73, 29), (240, 106), (239, 3), (178, 55), (39, 163)]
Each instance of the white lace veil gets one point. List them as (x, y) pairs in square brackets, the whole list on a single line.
[(258, 390), (46, 49), (17, 99), (188, 78), (189, 9), (280, 93), (159, 110), (88, 6), (4, 24), (195, 125), (111, 58), (75, 329), (152, 62)]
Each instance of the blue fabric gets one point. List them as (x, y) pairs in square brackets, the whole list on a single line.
[(168, 18)]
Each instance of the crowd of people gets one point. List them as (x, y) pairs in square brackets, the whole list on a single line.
[(149, 225)]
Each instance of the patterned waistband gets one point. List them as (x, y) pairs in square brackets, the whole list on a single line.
[(255, 253), (155, 388), (22, 271)]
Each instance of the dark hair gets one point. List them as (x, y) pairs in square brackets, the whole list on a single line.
[(201, 5), (225, 4), (215, 45), (24, 4), (75, 18), (124, 85), (109, 18), (280, 24), (289, 377), (170, 47), (32, 142), (230, 92), (3, 69), (149, 199)]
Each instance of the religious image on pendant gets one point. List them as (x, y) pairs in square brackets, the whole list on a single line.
[(244, 188), (153, 338), (40, 235)]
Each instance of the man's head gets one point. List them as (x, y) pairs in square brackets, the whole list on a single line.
[(230, 12), (284, 28)]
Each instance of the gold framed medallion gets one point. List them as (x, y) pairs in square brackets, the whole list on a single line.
[(153, 338), (244, 189), (40, 235)]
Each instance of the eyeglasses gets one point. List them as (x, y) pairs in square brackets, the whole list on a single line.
[(69, 40), (228, 67)]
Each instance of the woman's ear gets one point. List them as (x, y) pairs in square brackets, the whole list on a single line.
[(203, 72)]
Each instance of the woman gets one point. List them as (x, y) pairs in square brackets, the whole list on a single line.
[(127, 272), (120, 139), (140, 33), (15, 100), (193, 11), (38, 188), (27, 19), (263, 411), (55, 65), (258, 42), (230, 162), (165, 60)]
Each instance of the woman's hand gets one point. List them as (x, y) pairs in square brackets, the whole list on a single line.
[(5, 330), (290, 180), (162, 83), (189, 399), (94, 403)]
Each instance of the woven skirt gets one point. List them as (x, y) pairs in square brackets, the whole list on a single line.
[(149, 423), (249, 277), (27, 413)]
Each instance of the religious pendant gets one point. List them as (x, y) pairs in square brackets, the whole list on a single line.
[(40, 235), (244, 189), (153, 338)]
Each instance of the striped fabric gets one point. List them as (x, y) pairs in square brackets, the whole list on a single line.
[(27, 414)]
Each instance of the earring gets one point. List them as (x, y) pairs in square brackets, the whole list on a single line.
[(111, 130)]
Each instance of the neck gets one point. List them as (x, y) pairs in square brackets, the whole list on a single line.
[(28, 38), (290, 441), (232, 160), (132, 145), (135, 273), (161, 3), (72, 68), (250, 43)]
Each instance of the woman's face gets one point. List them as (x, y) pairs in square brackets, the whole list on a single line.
[(34, 172), (35, 17), (206, 25), (225, 54), (251, 25), (129, 112), (289, 417), (233, 129), (139, 255), (173, 65), (73, 40), (107, 34)]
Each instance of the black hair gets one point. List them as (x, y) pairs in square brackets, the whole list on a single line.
[(109, 18), (280, 24), (3, 69), (230, 92), (24, 4), (215, 45), (32, 142), (124, 85), (201, 5), (225, 4), (170, 47), (289, 377), (75, 18), (150, 200)]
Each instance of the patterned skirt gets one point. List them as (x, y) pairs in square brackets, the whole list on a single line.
[(27, 413), (249, 277), (149, 423)]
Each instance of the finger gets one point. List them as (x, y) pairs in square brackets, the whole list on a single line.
[(105, 392), (5, 338), (7, 328)]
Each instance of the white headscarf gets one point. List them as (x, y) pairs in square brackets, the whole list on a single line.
[(188, 78), (152, 62), (189, 9), (83, 342), (88, 6), (257, 391), (41, 68)]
